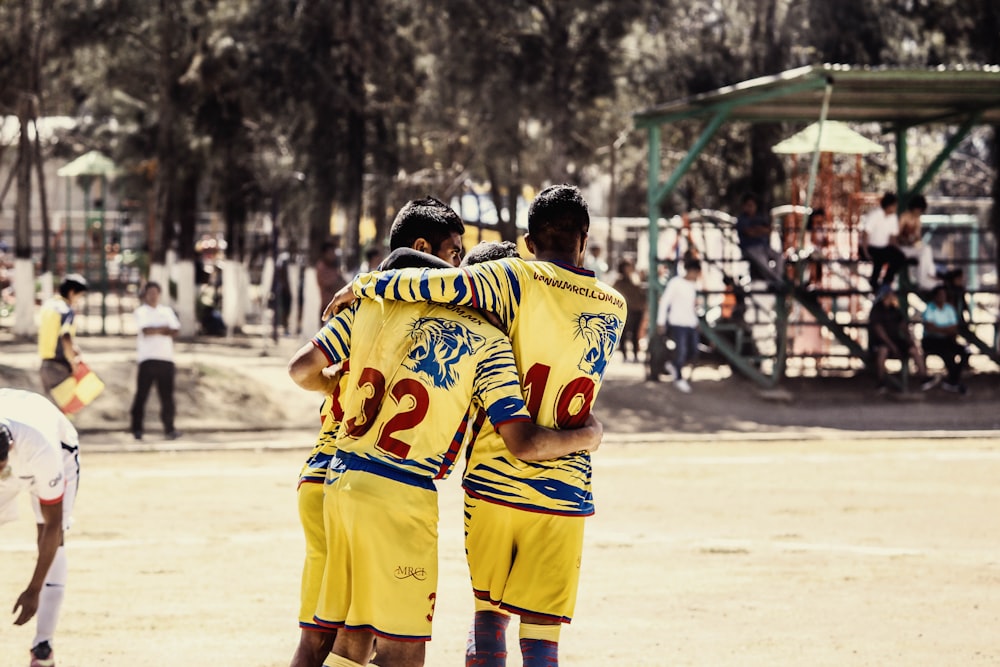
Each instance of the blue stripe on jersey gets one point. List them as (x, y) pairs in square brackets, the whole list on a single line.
[(506, 410), (560, 497), (334, 339), (354, 461)]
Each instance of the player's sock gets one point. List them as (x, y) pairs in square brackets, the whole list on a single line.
[(539, 644), (490, 642), (51, 598), (334, 660)]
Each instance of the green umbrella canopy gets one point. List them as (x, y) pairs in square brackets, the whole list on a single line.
[(837, 138), (93, 163)]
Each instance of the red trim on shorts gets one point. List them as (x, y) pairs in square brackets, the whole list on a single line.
[(54, 501)]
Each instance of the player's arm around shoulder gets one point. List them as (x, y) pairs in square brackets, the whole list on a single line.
[(530, 442), (331, 345)]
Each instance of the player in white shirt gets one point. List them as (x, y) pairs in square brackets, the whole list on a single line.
[(39, 452)]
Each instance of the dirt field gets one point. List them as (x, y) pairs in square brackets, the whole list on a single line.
[(817, 525), (821, 552)]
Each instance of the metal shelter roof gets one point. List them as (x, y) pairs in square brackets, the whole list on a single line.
[(904, 97)]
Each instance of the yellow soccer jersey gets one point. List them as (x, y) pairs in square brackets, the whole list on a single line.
[(564, 325), (56, 321), (418, 371), (331, 414)]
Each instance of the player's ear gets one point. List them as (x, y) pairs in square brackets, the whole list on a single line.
[(422, 245), (530, 243)]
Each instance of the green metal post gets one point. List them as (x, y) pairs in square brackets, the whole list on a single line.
[(661, 191), (69, 233), (901, 167), (946, 152), (653, 203), (902, 177), (104, 254)]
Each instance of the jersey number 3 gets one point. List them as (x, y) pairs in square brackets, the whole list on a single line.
[(410, 398)]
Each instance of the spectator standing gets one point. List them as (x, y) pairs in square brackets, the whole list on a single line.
[(916, 252), (373, 257), (754, 231), (879, 241), (156, 326), (941, 339), (57, 346), (635, 302), (328, 272), (595, 262), (39, 453), (677, 316)]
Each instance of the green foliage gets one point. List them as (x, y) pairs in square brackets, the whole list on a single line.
[(309, 107)]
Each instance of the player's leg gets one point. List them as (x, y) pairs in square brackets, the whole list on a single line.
[(543, 582), (384, 578), (488, 645), (53, 592), (392, 653), (488, 540), (315, 642), (539, 640)]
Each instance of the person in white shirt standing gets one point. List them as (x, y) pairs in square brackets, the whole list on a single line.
[(157, 326), (39, 452), (879, 241), (677, 316)]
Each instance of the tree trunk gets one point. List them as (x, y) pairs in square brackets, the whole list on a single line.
[(166, 144), (995, 210)]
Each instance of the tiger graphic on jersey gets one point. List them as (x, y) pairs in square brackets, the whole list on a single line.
[(601, 332), (437, 345)]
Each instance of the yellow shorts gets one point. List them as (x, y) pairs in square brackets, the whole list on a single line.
[(311, 516), (527, 562), (384, 578)]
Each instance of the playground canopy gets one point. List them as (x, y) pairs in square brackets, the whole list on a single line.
[(897, 98), (836, 137), (905, 97)]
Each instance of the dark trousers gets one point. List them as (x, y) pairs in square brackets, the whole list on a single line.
[(954, 356), (162, 373), (685, 346), (888, 256), (631, 333)]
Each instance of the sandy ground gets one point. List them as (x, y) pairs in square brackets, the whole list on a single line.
[(817, 525), (822, 552)]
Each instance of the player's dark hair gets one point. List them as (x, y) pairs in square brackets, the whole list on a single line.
[(6, 439), (74, 282), (429, 219), (692, 264), (558, 218), (487, 251), (750, 196), (888, 199), (151, 284), (917, 203)]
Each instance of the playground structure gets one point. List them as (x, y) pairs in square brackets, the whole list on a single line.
[(818, 318)]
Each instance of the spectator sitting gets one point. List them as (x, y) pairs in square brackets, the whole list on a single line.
[(941, 339), (889, 337), (754, 232)]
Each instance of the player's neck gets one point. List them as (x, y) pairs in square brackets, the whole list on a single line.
[(559, 257)]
